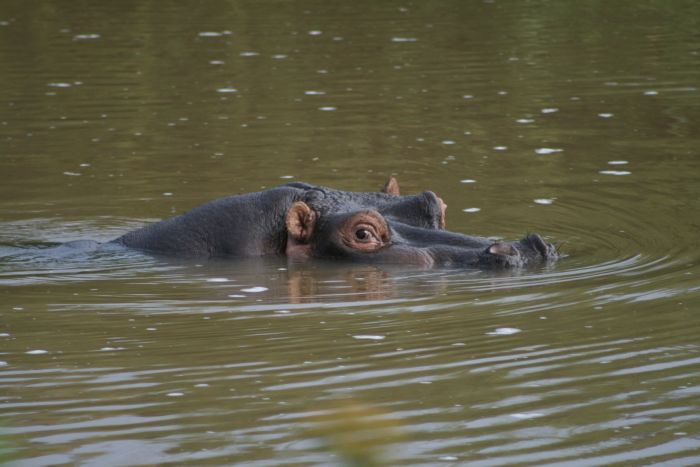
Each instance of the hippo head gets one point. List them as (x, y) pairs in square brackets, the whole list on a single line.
[(386, 227)]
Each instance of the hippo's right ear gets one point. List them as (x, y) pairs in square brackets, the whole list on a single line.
[(300, 221), (391, 187)]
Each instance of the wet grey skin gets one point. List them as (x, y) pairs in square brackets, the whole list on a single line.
[(303, 221), (406, 244)]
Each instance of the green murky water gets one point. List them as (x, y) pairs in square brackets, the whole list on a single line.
[(578, 120)]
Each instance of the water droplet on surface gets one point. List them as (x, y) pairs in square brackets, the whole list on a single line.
[(503, 332), (651, 93), (218, 279), (84, 37), (618, 162), (256, 289), (467, 180), (500, 148), (37, 352), (249, 54), (368, 337), (549, 110), (525, 120), (547, 150), (471, 210), (327, 109), (227, 90), (544, 201), (175, 394), (615, 172), (315, 93), (404, 39), (605, 115)]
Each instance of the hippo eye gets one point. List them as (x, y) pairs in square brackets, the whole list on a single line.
[(365, 231), (363, 234)]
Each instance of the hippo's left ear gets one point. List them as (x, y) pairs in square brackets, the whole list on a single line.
[(300, 221), (391, 187)]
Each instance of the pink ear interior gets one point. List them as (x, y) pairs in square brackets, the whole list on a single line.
[(300, 221)]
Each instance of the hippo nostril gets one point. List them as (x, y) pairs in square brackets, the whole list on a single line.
[(504, 255), (538, 244), (503, 249)]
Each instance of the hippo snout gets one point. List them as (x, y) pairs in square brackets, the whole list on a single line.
[(535, 246), (531, 249)]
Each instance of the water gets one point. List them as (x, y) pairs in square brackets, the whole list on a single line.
[(577, 120)]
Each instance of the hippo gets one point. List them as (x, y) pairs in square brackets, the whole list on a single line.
[(303, 221)]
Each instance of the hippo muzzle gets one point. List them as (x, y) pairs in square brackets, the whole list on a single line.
[(368, 236)]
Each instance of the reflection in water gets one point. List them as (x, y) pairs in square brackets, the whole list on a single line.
[(237, 344), (363, 282), (257, 354)]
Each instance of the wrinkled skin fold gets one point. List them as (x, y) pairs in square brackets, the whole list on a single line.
[(303, 221)]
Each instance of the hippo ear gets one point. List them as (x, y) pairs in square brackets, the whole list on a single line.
[(443, 208), (391, 187), (300, 221)]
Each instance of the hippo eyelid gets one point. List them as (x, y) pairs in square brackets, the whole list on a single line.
[(377, 236)]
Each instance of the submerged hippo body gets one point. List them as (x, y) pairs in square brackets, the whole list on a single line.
[(306, 221)]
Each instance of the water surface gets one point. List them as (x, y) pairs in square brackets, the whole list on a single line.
[(577, 120)]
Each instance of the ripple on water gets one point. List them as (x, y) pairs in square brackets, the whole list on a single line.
[(388, 336), (45, 261), (179, 363), (537, 346)]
